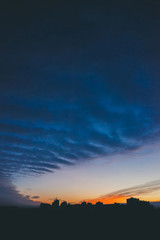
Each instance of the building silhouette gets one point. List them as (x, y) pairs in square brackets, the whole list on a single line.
[(45, 205), (135, 202), (55, 204), (64, 204)]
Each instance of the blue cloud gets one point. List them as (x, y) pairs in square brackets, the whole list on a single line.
[(76, 85)]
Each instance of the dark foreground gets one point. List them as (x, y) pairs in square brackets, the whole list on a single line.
[(80, 223)]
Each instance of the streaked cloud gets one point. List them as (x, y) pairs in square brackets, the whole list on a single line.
[(76, 84), (122, 194)]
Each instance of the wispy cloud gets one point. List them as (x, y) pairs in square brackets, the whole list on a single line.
[(36, 144), (136, 191)]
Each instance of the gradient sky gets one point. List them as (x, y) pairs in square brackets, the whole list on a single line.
[(79, 101)]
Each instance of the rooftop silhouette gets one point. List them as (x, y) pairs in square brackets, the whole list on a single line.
[(84, 220), (130, 203)]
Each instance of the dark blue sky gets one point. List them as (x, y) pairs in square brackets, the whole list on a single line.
[(78, 81)]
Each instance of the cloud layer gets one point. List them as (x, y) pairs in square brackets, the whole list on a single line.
[(9, 196), (77, 83)]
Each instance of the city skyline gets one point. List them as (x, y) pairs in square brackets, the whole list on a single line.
[(79, 101)]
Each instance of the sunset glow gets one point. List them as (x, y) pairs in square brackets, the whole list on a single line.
[(79, 102)]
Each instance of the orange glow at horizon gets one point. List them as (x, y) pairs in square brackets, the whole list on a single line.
[(107, 200), (119, 199)]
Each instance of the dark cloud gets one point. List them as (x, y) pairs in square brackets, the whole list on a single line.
[(78, 81), (9, 196), (35, 197)]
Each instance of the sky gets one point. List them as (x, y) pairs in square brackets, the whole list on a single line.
[(79, 101)]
